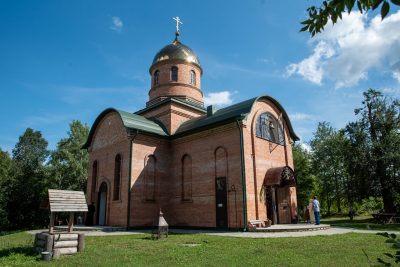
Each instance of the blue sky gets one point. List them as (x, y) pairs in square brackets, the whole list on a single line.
[(65, 60)]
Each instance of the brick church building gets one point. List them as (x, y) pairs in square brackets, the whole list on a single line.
[(203, 167)]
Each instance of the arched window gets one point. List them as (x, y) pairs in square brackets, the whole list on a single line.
[(174, 74), (186, 178), (156, 76), (269, 128), (150, 177), (117, 177), (94, 176), (192, 77)]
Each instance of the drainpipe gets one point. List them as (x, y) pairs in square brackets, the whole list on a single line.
[(243, 176), (128, 219), (284, 140)]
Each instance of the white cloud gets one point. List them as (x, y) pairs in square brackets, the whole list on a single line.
[(391, 91), (311, 67), (396, 75), (396, 71), (50, 118), (306, 146), (346, 52), (300, 117), (222, 98), (116, 24)]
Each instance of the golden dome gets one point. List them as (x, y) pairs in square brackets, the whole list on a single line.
[(176, 51)]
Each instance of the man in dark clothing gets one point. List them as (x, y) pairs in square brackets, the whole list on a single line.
[(90, 214)]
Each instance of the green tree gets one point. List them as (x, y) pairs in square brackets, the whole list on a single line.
[(5, 178), (303, 170), (27, 188), (329, 165), (69, 163), (331, 10), (380, 121), (359, 164)]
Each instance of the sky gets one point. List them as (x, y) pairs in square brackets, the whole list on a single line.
[(69, 60)]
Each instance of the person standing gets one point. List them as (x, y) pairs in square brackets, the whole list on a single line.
[(316, 209), (90, 214)]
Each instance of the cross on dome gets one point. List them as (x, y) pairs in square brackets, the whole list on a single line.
[(178, 21)]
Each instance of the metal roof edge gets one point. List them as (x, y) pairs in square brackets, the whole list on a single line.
[(130, 121), (170, 99)]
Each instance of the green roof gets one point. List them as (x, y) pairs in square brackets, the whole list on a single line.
[(238, 111), (131, 122), (222, 116)]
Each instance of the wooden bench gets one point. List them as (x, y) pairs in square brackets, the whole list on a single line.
[(253, 224), (385, 218)]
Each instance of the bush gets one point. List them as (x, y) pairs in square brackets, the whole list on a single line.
[(369, 206), (4, 224)]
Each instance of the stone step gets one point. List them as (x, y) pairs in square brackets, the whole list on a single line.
[(78, 228), (292, 228)]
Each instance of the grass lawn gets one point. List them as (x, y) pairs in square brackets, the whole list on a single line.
[(202, 250), (360, 222)]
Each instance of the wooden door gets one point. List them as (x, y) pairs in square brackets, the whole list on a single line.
[(221, 202), (283, 201)]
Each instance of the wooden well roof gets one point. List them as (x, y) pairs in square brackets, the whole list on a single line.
[(67, 201)]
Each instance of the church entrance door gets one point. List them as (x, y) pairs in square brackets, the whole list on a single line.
[(283, 199), (102, 204), (221, 202)]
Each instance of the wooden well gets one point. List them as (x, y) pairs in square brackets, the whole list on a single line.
[(62, 243)]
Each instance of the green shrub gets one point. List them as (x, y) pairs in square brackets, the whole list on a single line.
[(3, 220), (369, 205)]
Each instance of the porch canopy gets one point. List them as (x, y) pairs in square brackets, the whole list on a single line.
[(280, 176), (66, 201)]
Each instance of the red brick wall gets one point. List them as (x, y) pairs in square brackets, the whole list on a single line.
[(260, 155), (182, 87), (110, 139), (172, 115), (201, 147)]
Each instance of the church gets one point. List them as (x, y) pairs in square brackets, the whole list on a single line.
[(203, 167)]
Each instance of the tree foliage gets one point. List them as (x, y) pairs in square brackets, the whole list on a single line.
[(5, 174), (331, 10), (69, 163), (363, 159), (329, 165), (28, 184), (379, 119), (33, 169), (306, 182)]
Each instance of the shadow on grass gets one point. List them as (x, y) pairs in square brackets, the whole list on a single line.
[(361, 223), (10, 232), (24, 250)]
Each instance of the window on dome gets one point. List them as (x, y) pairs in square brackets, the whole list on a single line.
[(174, 74), (156, 75), (269, 128), (192, 77)]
